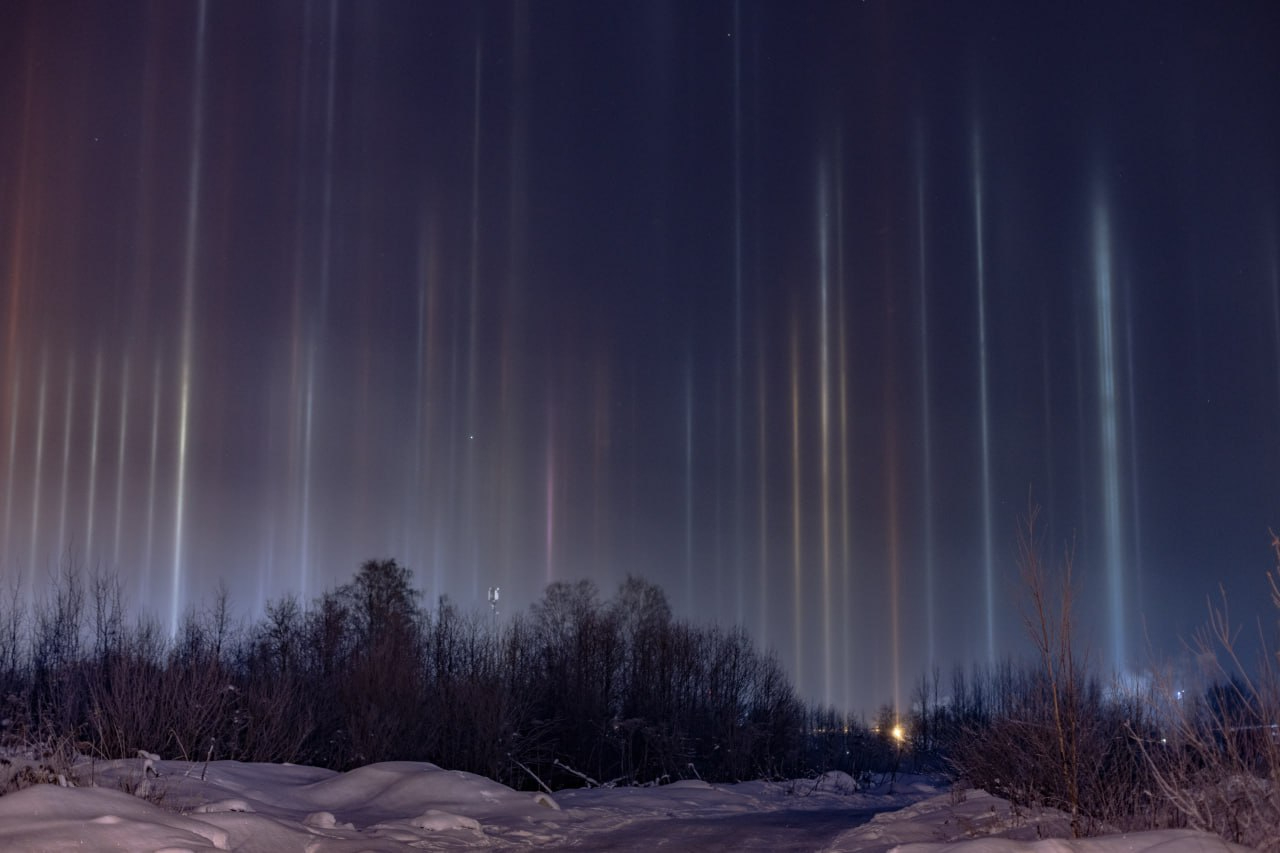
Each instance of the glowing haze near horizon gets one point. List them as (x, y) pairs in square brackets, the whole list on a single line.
[(785, 307)]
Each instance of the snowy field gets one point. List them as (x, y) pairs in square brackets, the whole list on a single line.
[(402, 806)]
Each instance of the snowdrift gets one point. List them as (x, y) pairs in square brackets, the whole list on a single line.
[(399, 806)]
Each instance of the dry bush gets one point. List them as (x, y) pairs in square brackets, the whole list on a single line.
[(50, 761), (1049, 734), (1219, 761)]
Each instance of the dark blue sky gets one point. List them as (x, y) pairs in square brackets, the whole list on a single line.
[(785, 306)]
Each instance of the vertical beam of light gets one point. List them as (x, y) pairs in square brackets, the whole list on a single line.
[(310, 340), (550, 496), (1135, 485), (470, 477), (892, 466), (824, 420), (148, 564), (842, 359), (926, 413), (11, 455), (426, 436), (762, 488), (298, 339), (38, 475), (988, 567), (95, 418), (297, 395), (514, 370), (763, 361), (68, 410), (1107, 418), (688, 483), (738, 460), (360, 438), (895, 536), (449, 510), (797, 534), (121, 467), (417, 514), (142, 270), (716, 431), (319, 319), (308, 443), (188, 321)]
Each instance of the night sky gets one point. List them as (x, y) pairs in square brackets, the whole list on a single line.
[(787, 307)]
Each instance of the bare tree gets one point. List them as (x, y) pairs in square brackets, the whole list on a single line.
[(1218, 762), (1050, 623)]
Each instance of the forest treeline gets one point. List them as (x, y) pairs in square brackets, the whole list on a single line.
[(584, 690), (577, 690)]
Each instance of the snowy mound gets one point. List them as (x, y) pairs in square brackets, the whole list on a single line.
[(401, 806), (396, 789), (47, 817), (1164, 841), (977, 822)]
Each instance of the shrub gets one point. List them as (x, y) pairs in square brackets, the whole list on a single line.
[(1218, 761)]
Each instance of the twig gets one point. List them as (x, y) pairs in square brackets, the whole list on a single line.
[(541, 784), (591, 783)]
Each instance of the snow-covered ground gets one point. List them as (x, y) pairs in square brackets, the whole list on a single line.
[(151, 805)]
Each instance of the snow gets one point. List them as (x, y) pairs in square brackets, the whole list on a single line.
[(399, 806), (977, 822)]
